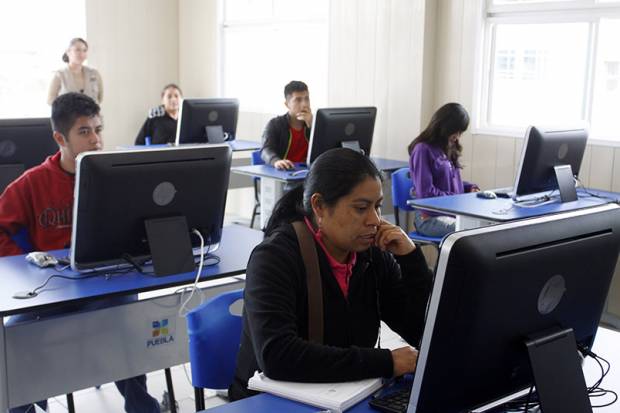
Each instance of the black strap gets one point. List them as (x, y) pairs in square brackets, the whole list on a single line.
[(313, 280)]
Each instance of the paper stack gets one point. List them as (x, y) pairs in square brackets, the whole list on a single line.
[(333, 396)]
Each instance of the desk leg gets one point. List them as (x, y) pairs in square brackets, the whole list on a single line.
[(4, 383), (271, 191)]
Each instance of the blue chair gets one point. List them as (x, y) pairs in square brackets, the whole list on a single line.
[(401, 192), (256, 160), (214, 337)]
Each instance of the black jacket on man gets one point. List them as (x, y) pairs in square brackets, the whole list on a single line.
[(275, 317), (276, 139), (161, 129)]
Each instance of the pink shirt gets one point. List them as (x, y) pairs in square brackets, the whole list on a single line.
[(342, 272)]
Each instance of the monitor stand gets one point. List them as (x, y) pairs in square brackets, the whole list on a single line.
[(170, 244), (355, 145), (557, 372), (566, 183)]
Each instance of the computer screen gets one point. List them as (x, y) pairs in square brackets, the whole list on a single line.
[(207, 120), (544, 149), (116, 192), (495, 287), (24, 143), (342, 127)]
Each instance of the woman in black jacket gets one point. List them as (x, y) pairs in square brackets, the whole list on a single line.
[(369, 270)]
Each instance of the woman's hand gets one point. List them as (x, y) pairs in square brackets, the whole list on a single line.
[(393, 239), (404, 359)]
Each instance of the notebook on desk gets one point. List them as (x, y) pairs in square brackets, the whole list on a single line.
[(336, 397)]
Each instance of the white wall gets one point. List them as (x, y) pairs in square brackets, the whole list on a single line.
[(376, 57), (134, 44), (198, 46)]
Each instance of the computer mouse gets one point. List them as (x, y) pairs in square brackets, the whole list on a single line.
[(41, 259), (486, 194)]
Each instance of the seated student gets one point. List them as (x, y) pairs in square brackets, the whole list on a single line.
[(41, 201), (161, 127), (286, 137), (369, 270), (435, 167)]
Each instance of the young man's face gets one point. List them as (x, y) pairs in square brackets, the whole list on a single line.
[(298, 103), (84, 135)]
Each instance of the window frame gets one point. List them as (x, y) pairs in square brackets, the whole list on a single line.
[(538, 12)]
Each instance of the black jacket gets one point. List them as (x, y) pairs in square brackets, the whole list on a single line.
[(276, 139), (161, 129), (275, 317)]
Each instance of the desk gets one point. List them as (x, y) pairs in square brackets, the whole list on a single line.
[(274, 180), (474, 212), (237, 145), (72, 351), (606, 345)]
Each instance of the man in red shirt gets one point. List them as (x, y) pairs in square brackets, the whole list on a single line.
[(286, 137), (40, 202)]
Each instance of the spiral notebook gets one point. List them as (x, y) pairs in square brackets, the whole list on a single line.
[(334, 396)]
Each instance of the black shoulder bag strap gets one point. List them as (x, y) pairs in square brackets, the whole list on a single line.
[(313, 280)]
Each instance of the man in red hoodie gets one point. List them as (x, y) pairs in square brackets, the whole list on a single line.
[(40, 201)]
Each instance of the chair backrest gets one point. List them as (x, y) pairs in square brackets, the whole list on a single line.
[(256, 159), (214, 337), (22, 239), (401, 189)]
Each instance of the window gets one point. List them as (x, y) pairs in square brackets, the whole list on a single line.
[(266, 44), (551, 62), (33, 36)]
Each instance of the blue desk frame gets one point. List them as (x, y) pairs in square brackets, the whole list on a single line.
[(76, 350), (473, 212)]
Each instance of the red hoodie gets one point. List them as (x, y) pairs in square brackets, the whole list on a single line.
[(41, 201)]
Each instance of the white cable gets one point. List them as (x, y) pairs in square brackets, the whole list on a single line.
[(183, 309)]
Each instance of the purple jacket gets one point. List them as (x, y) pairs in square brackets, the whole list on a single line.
[(433, 174)]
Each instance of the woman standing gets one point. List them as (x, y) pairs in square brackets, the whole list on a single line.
[(435, 167), (76, 77)]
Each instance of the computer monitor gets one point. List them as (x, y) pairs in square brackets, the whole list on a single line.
[(342, 127), (496, 288), (543, 150), (207, 120), (116, 193), (24, 143)]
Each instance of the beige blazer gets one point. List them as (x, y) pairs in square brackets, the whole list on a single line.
[(64, 82)]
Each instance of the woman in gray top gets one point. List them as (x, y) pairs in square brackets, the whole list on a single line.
[(76, 77)]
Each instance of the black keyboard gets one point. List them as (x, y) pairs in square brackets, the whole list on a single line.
[(394, 402)]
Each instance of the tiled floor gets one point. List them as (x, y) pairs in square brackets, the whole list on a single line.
[(107, 399)]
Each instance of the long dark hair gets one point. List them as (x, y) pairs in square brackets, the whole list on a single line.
[(333, 174), (449, 119)]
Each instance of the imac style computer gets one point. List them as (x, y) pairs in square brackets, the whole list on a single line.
[(550, 160), (145, 204), (207, 121), (342, 127), (24, 143), (510, 307)]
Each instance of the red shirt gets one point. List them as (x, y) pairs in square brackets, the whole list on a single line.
[(297, 145), (342, 272), (40, 200)]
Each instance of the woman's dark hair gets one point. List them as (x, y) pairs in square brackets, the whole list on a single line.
[(171, 85), (333, 174), (65, 57), (449, 119)]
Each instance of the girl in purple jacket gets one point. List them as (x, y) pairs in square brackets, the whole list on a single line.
[(435, 167)]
